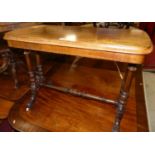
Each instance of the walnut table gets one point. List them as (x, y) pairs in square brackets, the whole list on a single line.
[(124, 45)]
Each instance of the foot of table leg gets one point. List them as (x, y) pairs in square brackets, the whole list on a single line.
[(33, 85), (33, 88), (120, 110), (123, 96)]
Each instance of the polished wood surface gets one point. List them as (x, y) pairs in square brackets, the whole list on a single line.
[(5, 106), (8, 26), (101, 43), (55, 111), (8, 91)]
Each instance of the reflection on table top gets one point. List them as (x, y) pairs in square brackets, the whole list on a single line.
[(117, 40), (125, 45)]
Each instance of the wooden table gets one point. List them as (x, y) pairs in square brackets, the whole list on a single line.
[(128, 46)]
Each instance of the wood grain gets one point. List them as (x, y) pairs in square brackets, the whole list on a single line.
[(101, 43), (5, 107)]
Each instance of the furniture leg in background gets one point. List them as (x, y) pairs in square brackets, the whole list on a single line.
[(9, 60)]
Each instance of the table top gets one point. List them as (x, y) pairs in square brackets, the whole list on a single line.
[(99, 40)]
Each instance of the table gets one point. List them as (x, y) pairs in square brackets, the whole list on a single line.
[(128, 46)]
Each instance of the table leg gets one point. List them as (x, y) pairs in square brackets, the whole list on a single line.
[(123, 96), (39, 73), (6, 61), (33, 85), (13, 69)]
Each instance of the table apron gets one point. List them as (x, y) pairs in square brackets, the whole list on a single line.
[(72, 51)]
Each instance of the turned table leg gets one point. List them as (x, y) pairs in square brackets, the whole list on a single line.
[(8, 60), (123, 96), (13, 69), (39, 72), (33, 85)]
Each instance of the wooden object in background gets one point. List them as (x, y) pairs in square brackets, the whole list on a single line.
[(7, 55), (8, 26), (149, 27), (5, 107)]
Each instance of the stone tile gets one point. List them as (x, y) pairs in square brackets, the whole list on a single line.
[(149, 89)]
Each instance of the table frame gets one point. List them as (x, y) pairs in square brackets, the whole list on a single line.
[(37, 79)]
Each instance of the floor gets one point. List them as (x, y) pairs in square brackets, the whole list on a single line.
[(55, 111), (149, 88)]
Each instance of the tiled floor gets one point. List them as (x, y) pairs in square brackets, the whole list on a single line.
[(149, 89)]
